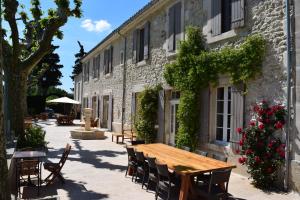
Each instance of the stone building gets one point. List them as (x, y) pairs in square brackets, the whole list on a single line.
[(134, 55)]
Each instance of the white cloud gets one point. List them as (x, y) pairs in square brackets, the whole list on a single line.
[(96, 26)]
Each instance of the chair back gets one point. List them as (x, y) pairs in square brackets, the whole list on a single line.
[(219, 157), (140, 157), (131, 153), (220, 177), (65, 155), (202, 153), (162, 171), (136, 142), (151, 163)]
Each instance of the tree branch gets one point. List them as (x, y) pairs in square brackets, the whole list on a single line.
[(11, 7)]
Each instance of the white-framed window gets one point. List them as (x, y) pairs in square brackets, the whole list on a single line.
[(174, 103), (223, 113)]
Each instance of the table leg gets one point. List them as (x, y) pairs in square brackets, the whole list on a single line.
[(185, 186)]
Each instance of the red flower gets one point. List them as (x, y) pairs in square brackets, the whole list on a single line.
[(282, 154), (261, 126), (248, 151), (241, 142), (263, 101), (237, 151), (239, 130), (242, 160), (255, 108), (272, 142), (278, 125), (261, 111), (260, 144), (252, 123), (267, 121), (269, 170), (268, 155), (257, 159)]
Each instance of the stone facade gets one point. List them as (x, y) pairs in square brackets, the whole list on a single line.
[(266, 17)]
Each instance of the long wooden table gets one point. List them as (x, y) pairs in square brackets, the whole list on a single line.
[(185, 163)]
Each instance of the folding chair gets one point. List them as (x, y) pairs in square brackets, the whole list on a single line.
[(55, 168)]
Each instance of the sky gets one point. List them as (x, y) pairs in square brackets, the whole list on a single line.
[(100, 17)]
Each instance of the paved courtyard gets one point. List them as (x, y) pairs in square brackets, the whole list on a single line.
[(95, 169)]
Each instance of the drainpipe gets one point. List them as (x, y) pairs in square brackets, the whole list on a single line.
[(288, 124), (124, 82)]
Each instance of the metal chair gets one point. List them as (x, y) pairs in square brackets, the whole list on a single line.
[(217, 187), (132, 163), (166, 180), (202, 153), (152, 171), (142, 167), (219, 157)]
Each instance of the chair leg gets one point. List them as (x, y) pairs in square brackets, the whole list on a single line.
[(156, 192), (143, 182), (126, 170), (148, 183)]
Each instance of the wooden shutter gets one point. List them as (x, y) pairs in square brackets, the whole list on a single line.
[(105, 62), (111, 58), (101, 110), (204, 115), (216, 17), (161, 116), (110, 113), (237, 13), (98, 65), (171, 40), (133, 111), (237, 115), (146, 40), (177, 28), (134, 46)]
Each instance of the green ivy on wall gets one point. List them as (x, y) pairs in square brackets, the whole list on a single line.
[(196, 68), (146, 117)]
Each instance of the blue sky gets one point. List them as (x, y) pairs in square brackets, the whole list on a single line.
[(100, 17)]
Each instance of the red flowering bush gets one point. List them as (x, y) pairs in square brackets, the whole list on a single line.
[(261, 151)]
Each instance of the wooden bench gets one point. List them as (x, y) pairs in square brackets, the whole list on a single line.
[(117, 135), (129, 135)]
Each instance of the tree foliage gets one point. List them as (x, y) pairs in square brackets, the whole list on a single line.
[(196, 67), (77, 68)]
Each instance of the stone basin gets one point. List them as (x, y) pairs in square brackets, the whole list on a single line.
[(93, 134)]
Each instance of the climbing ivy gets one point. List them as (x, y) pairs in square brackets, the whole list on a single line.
[(146, 117), (196, 67)]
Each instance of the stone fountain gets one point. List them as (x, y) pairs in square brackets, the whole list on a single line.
[(86, 132)]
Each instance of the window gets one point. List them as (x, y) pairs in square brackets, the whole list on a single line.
[(122, 57), (226, 15), (108, 60), (96, 66), (86, 68), (85, 102), (174, 30), (141, 38), (223, 115), (78, 92)]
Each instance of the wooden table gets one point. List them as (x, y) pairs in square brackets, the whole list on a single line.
[(185, 163), (29, 154)]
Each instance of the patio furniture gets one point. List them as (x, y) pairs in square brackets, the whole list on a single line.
[(64, 120), (217, 187), (142, 167), (117, 136), (27, 164), (166, 180), (128, 134), (152, 171), (55, 168), (202, 153), (132, 162), (183, 163), (136, 142), (219, 157)]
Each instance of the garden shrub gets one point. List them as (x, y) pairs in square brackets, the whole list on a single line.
[(262, 150), (34, 138)]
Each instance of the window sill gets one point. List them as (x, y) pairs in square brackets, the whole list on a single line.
[(141, 63), (172, 54), (95, 79), (227, 35), (108, 75)]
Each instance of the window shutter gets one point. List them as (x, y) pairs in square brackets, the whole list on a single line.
[(88, 71), (134, 46), (133, 108), (110, 113), (146, 40), (216, 17), (171, 35), (237, 116), (177, 23), (237, 13), (111, 58), (161, 116), (105, 62), (101, 110)]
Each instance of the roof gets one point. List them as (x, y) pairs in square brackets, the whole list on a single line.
[(132, 18)]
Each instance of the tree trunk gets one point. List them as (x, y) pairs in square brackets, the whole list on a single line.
[(4, 187), (17, 100)]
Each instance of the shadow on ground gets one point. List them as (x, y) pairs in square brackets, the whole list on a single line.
[(74, 191)]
